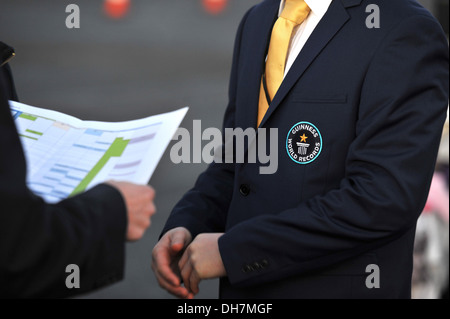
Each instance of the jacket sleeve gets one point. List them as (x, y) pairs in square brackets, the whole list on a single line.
[(389, 168), (39, 240), (204, 208)]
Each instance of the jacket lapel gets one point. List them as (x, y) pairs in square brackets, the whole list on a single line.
[(256, 59), (330, 24)]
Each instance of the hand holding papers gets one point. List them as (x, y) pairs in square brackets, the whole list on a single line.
[(66, 155)]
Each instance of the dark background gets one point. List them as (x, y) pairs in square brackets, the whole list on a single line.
[(162, 56)]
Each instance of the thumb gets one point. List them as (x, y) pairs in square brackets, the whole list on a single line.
[(178, 241)]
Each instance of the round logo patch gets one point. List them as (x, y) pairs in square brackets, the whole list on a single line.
[(304, 143)]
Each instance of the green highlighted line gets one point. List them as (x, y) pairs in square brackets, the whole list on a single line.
[(31, 138), (115, 150), (34, 132), (28, 117)]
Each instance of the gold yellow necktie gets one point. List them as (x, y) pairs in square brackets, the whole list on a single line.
[(293, 14)]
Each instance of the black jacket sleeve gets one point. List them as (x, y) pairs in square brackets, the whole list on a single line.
[(39, 240)]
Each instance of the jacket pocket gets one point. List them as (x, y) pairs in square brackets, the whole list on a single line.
[(320, 99)]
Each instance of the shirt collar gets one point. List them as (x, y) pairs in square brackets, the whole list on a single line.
[(318, 7)]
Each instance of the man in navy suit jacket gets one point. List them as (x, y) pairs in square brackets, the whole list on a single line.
[(338, 222), (39, 240)]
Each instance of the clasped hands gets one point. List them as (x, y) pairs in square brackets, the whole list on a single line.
[(180, 263)]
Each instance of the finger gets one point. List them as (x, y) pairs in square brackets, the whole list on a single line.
[(166, 275), (181, 292), (194, 281), (151, 192), (184, 259), (178, 241), (161, 264), (186, 275), (151, 209), (178, 291), (142, 222), (163, 282), (169, 281)]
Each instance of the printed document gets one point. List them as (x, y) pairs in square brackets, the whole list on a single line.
[(66, 156)]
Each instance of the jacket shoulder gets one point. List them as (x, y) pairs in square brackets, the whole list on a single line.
[(393, 12)]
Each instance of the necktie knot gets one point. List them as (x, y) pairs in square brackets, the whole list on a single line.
[(295, 11)]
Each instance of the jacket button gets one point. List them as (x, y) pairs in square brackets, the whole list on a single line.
[(257, 266), (264, 263), (247, 268), (244, 190)]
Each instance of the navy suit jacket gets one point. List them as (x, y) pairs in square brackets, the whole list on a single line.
[(377, 99)]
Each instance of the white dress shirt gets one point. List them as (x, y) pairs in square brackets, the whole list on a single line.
[(304, 31)]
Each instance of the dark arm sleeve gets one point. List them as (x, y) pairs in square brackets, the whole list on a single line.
[(39, 240), (6, 53)]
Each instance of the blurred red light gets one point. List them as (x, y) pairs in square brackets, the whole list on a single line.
[(116, 9), (214, 6)]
